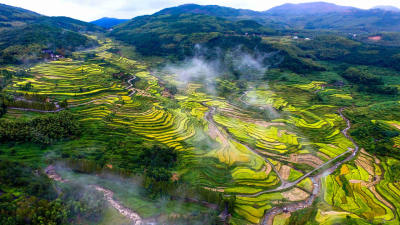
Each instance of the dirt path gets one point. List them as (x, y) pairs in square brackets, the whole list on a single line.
[(108, 196), (316, 180), (395, 125), (37, 110), (374, 178), (284, 185), (130, 87), (89, 102), (213, 129), (210, 120), (270, 214), (294, 183)]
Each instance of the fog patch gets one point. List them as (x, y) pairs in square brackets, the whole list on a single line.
[(94, 189), (209, 64), (195, 69), (249, 66)]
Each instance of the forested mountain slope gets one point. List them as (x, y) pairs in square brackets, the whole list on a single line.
[(24, 34), (160, 34), (314, 16)]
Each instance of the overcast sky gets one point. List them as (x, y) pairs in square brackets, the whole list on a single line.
[(89, 10)]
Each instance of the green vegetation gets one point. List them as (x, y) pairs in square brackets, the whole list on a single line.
[(41, 130), (25, 35), (357, 76), (268, 113), (167, 141), (323, 16), (177, 34), (377, 138), (27, 197), (26, 44)]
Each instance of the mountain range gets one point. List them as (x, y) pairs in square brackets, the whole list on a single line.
[(26, 32), (107, 22), (316, 15), (387, 8), (12, 17)]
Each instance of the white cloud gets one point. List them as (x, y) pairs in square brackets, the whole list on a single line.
[(88, 10)]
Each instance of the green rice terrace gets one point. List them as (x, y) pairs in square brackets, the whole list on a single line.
[(253, 167), (114, 132)]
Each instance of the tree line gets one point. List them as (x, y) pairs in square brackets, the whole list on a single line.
[(368, 82), (43, 130), (28, 197)]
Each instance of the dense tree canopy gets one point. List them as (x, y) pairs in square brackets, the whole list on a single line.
[(42, 130)]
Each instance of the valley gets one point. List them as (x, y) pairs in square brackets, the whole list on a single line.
[(157, 122)]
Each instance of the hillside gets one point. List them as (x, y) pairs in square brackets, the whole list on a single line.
[(13, 16), (25, 44), (107, 22), (161, 34), (24, 34), (308, 9), (68, 24), (222, 12), (327, 16), (387, 8), (212, 10), (200, 115), (228, 144), (313, 16)]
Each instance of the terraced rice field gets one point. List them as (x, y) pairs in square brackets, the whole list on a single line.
[(226, 148), (287, 137), (362, 191), (277, 144), (68, 78)]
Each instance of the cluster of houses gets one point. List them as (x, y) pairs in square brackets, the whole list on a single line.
[(254, 35), (52, 55), (297, 38), (374, 38)]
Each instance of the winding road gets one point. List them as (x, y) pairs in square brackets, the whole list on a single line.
[(209, 116), (130, 87), (269, 216), (316, 179)]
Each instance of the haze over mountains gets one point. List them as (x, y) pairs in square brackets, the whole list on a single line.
[(387, 8), (309, 9), (185, 19), (17, 17), (196, 24), (107, 22), (316, 15)]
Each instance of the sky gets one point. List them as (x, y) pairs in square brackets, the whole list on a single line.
[(88, 10)]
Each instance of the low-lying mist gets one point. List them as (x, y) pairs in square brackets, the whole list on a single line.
[(131, 196), (209, 64)]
